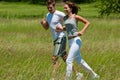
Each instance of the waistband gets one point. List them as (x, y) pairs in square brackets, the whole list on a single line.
[(59, 38), (70, 37)]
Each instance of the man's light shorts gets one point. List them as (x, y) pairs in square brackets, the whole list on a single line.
[(60, 47)]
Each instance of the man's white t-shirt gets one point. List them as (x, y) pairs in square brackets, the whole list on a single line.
[(54, 20)]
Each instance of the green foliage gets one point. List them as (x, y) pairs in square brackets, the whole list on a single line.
[(38, 1), (11, 0), (84, 1), (81, 1), (30, 1), (44, 1), (109, 6)]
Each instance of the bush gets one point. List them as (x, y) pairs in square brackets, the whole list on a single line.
[(109, 6)]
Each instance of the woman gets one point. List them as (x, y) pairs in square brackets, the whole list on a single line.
[(71, 26)]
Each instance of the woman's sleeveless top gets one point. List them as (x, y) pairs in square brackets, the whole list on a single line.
[(71, 26)]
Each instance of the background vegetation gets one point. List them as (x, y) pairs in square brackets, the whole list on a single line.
[(26, 48), (106, 7)]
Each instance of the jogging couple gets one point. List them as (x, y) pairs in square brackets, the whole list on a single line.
[(54, 20)]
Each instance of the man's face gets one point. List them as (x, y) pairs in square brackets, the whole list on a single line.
[(51, 8)]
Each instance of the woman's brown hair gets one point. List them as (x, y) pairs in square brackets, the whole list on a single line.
[(73, 6)]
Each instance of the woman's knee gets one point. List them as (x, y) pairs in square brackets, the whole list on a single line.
[(69, 61)]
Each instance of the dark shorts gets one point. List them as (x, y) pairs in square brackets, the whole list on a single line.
[(60, 47)]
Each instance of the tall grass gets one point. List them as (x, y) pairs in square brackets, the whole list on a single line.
[(26, 48)]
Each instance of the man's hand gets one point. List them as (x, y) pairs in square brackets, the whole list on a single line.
[(44, 23)]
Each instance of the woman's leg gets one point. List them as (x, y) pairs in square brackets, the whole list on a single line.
[(87, 67), (80, 61), (74, 49)]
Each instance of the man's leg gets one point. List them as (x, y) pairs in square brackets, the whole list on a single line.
[(57, 49), (55, 65)]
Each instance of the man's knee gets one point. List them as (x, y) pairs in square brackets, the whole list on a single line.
[(64, 57), (54, 59)]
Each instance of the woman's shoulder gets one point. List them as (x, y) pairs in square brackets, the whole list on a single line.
[(77, 16)]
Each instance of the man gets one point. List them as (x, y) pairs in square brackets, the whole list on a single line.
[(53, 20)]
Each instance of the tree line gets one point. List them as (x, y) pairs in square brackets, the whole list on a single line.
[(43, 1), (106, 7), (29, 1)]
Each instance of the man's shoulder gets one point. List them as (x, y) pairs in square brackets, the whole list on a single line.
[(60, 13), (57, 11)]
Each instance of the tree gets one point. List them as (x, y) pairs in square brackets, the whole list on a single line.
[(109, 6)]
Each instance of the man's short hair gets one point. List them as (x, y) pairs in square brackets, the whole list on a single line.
[(49, 2)]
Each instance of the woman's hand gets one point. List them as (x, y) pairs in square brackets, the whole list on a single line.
[(59, 29), (80, 33)]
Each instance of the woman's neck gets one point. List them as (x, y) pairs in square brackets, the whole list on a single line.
[(70, 15)]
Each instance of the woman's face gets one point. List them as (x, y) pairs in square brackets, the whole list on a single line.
[(67, 10)]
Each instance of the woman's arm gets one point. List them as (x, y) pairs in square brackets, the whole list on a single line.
[(86, 22)]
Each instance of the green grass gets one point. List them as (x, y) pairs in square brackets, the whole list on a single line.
[(26, 48), (18, 10)]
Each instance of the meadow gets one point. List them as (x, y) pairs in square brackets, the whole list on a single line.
[(26, 48)]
